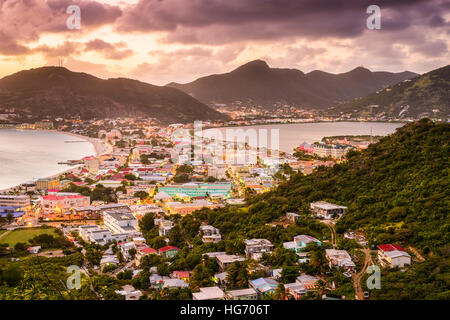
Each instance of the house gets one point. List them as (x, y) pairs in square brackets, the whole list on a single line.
[(34, 250), (209, 293), (125, 249), (393, 256), (121, 222), (109, 260), (242, 294), (276, 274), (326, 210), (129, 292), (164, 226), (168, 251), (264, 285), (174, 283), (339, 258), (182, 275), (254, 248), (292, 217), (309, 282), (210, 234), (295, 289), (303, 240), (225, 260), (142, 252), (62, 204)]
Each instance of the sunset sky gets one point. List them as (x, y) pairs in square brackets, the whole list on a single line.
[(159, 41)]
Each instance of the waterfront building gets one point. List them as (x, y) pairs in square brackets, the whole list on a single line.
[(21, 201)]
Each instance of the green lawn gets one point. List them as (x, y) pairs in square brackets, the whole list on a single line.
[(2, 231), (23, 235)]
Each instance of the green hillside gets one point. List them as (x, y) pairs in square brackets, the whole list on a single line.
[(396, 191), (425, 95)]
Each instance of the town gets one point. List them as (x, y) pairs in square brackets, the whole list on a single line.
[(138, 218)]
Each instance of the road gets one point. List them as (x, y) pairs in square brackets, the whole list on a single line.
[(330, 226), (358, 276)]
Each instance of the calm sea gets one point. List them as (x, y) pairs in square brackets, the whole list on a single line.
[(26, 155), (292, 135)]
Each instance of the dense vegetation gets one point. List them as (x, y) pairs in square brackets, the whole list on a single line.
[(396, 191), (60, 92)]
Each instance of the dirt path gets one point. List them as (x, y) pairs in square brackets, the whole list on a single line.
[(4, 234), (330, 226), (358, 276), (417, 254)]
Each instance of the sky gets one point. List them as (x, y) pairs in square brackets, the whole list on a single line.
[(160, 41)]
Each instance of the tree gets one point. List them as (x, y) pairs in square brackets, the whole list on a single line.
[(289, 273), (237, 275), (147, 222), (141, 194)]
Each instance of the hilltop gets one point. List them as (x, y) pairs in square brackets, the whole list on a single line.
[(423, 96), (57, 91), (256, 83)]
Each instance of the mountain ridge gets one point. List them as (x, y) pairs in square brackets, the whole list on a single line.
[(256, 83), (57, 91)]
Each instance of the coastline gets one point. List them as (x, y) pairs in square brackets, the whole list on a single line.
[(100, 148)]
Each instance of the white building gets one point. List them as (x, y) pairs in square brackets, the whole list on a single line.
[(210, 234), (392, 255), (14, 201), (326, 210), (209, 293), (339, 258), (254, 248), (121, 223)]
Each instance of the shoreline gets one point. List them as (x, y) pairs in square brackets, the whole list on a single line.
[(100, 148)]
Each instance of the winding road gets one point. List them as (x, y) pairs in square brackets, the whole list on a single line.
[(358, 276)]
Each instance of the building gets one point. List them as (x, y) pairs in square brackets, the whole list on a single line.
[(339, 258), (210, 234), (217, 171), (309, 282), (303, 240), (254, 248), (325, 210), (264, 285), (296, 289), (225, 260), (164, 226), (392, 255), (22, 201), (121, 222), (63, 204), (199, 190), (168, 251), (129, 292), (100, 235), (96, 212), (91, 163), (187, 208), (45, 184), (209, 293), (242, 294), (292, 217)]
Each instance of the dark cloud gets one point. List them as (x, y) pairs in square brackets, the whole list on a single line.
[(224, 21), (27, 20)]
